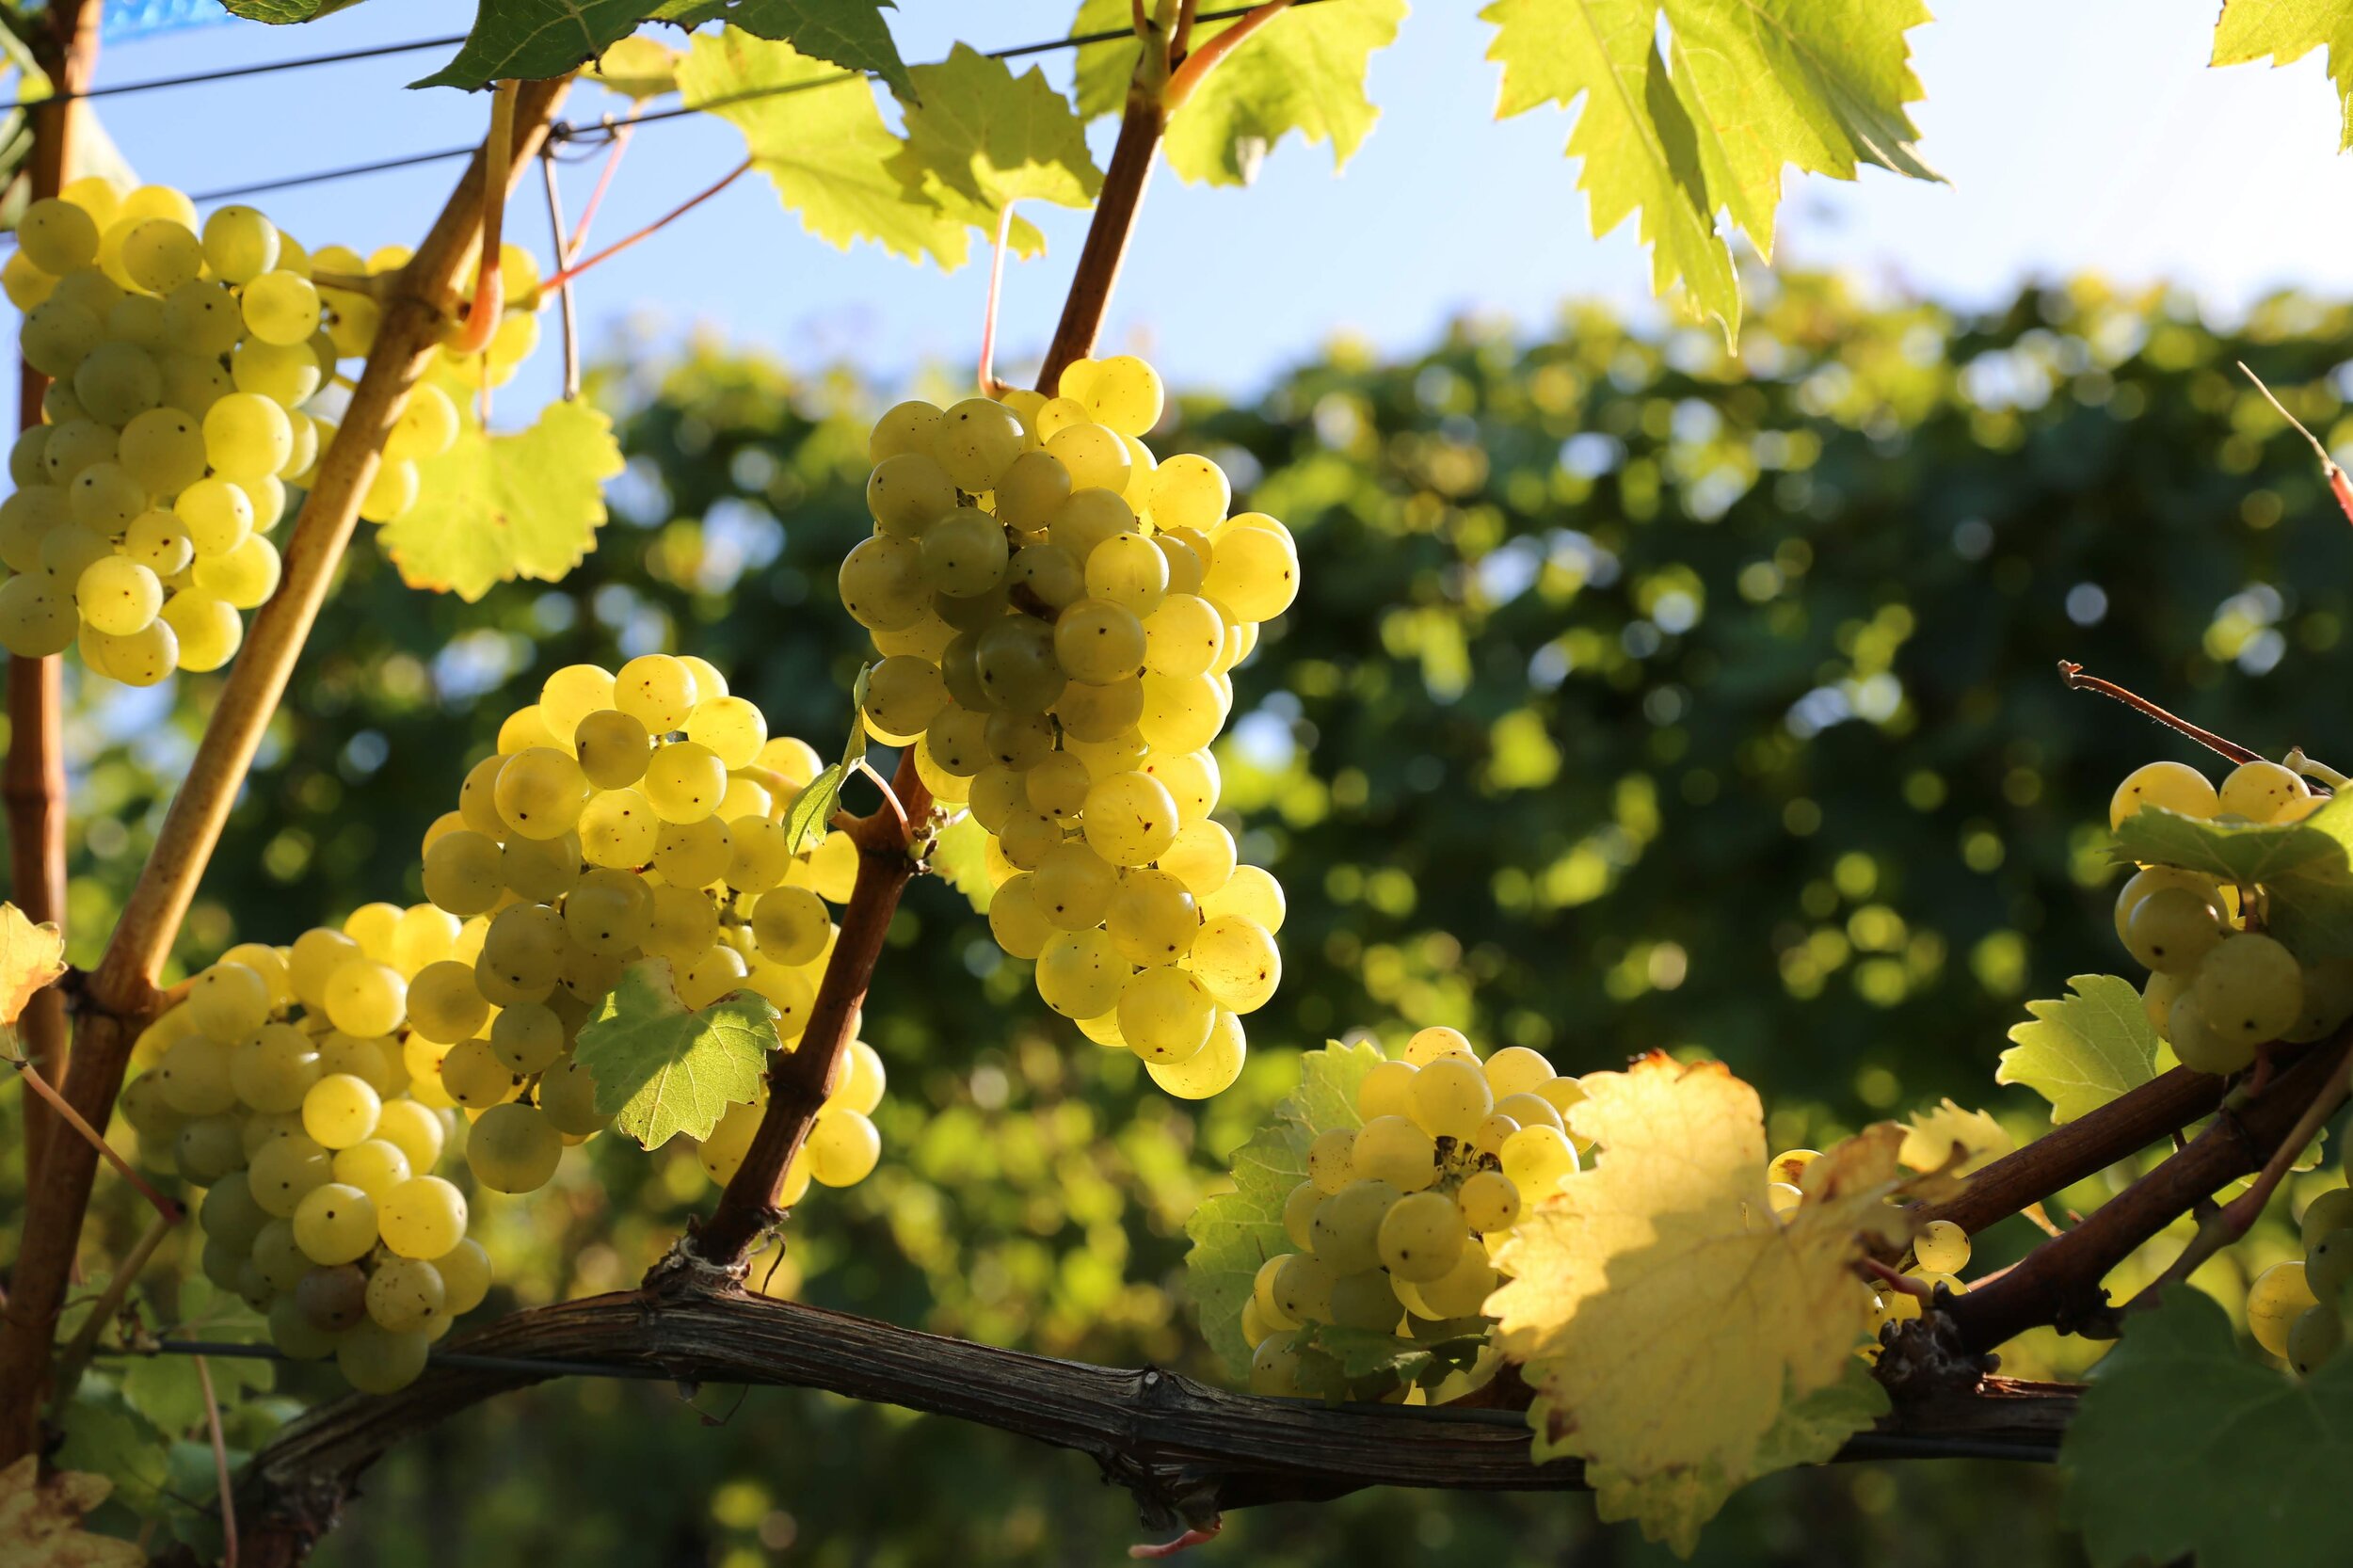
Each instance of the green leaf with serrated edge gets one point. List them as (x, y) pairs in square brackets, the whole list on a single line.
[(283, 12), (1817, 85), (812, 810), (824, 144), (854, 749), (531, 39), (1303, 71), (496, 508), (2305, 867), (960, 858), (848, 33), (663, 1069), (2284, 32), (1233, 1233), (2184, 1446), (166, 1390), (1634, 136), (983, 138), (1361, 1353), (2084, 1050)]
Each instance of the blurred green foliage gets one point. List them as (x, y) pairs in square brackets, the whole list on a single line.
[(1638, 697)]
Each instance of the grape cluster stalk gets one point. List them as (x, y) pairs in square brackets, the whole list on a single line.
[(1058, 613)]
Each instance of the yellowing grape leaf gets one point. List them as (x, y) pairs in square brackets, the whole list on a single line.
[(2306, 868), (40, 1521), (536, 38), (1669, 1321), (1742, 89), (1304, 72), (2186, 1447), (823, 142), (663, 1069), (1233, 1233), (496, 508), (31, 956), (637, 67), (2083, 1051), (982, 138), (2284, 32), (1933, 1138)]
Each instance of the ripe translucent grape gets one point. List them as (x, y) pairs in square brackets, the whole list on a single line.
[(684, 782), (539, 793), (340, 1110), (1165, 1015), (1391, 1148), (1238, 961), (1422, 1236), (512, 1149), (976, 441), (2169, 786), (335, 1223), (1489, 1201), (1347, 1227), (2249, 988), (1212, 1069), (2172, 929), (424, 1217), (1537, 1158), (844, 1147), (1080, 974)]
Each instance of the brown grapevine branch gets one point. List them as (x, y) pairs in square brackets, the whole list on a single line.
[(2076, 681), (121, 993), (1186, 1451), (2090, 1143), (2059, 1283), (1114, 220), (801, 1079), (65, 47)]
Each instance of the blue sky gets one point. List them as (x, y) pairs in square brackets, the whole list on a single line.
[(2085, 135)]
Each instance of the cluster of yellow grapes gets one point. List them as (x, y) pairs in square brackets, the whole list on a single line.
[(1397, 1220), (2296, 1310), (625, 817), (181, 357), (1057, 615), (191, 367), (2219, 986), (284, 1086)]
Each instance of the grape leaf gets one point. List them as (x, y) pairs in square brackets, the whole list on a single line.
[(663, 1069), (1233, 1233), (1931, 1138), (282, 12), (804, 823), (1635, 135), (1335, 1362), (2082, 1051), (2284, 32), (2304, 867), (823, 142), (960, 858), (536, 38), (30, 957), (982, 138), (166, 1390), (495, 507), (2186, 1447), (1304, 72), (1661, 1272), (40, 1520)]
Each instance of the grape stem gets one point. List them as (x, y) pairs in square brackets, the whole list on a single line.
[(990, 386), (1187, 78), (489, 281), (221, 1465), (576, 269), (2076, 681), (2339, 486), (64, 45), (2218, 1228), (801, 1077), (40, 1087), (562, 259), (121, 994)]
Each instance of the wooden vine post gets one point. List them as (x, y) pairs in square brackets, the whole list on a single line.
[(65, 47), (120, 996)]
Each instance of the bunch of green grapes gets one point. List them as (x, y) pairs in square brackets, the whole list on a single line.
[(2219, 985), (624, 817), (438, 409), (1938, 1253), (184, 360), (1057, 615), (287, 1086), (2296, 1310), (1396, 1225)]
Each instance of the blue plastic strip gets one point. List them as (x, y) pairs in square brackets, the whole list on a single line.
[(131, 19)]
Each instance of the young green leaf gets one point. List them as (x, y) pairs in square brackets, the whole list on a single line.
[(663, 1069), (1304, 72), (2083, 1051), (2284, 32), (982, 138), (1233, 1233), (2185, 1446), (847, 33), (822, 140), (494, 508), (2305, 867), (812, 810)]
